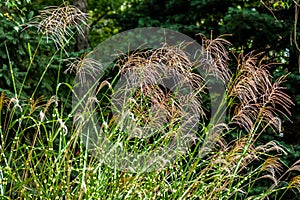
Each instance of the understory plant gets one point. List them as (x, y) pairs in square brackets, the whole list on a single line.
[(43, 155)]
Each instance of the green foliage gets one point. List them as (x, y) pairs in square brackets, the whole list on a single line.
[(102, 25), (28, 51), (253, 26), (256, 30), (40, 159), (43, 156)]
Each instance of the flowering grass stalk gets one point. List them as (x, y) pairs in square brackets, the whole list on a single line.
[(43, 156)]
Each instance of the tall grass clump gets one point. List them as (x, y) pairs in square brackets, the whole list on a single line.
[(43, 155)]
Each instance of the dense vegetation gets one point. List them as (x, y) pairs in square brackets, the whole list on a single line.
[(257, 151)]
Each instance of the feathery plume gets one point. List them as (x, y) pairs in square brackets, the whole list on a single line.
[(57, 23)]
